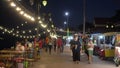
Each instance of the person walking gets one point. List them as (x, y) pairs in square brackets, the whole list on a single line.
[(54, 45), (90, 48), (76, 48), (46, 43), (85, 43), (59, 44), (50, 44), (40, 45)]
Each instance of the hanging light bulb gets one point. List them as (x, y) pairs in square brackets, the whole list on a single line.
[(17, 26), (39, 35), (17, 32), (21, 12), (22, 24), (0, 27), (29, 31), (48, 30), (40, 22), (18, 8), (9, 32), (33, 36), (38, 17), (36, 29), (13, 34), (13, 29), (27, 36), (24, 37), (23, 32), (44, 2), (33, 19), (20, 36), (30, 36), (13, 4), (52, 26), (26, 22), (17, 35), (3, 32)]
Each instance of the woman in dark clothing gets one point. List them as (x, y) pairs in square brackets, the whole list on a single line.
[(75, 47)]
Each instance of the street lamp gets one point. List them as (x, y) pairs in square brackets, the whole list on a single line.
[(67, 15)]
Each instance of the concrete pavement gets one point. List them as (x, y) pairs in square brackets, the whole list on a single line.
[(64, 60)]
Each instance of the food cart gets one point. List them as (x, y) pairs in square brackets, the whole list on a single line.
[(117, 50), (105, 45), (107, 50)]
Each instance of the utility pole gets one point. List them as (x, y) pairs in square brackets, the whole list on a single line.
[(84, 15)]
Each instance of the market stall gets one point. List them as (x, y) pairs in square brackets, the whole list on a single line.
[(117, 50), (105, 45)]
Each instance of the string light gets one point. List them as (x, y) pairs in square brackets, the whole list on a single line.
[(13, 4), (44, 26), (36, 29), (27, 36), (3, 32), (21, 24), (18, 9), (20, 36), (32, 19), (11, 31), (30, 36), (52, 26), (23, 32), (17, 26), (26, 22), (24, 37), (39, 35), (17, 32), (17, 35), (33, 36), (27, 15), (38, 18), (40, 22), (29, 31), (13, 34), (23, 13), (48, 30)]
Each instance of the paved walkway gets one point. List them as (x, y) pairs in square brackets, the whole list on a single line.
[(65, 61)]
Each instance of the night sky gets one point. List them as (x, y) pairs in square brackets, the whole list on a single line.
[(94, 8), (9, 18)]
